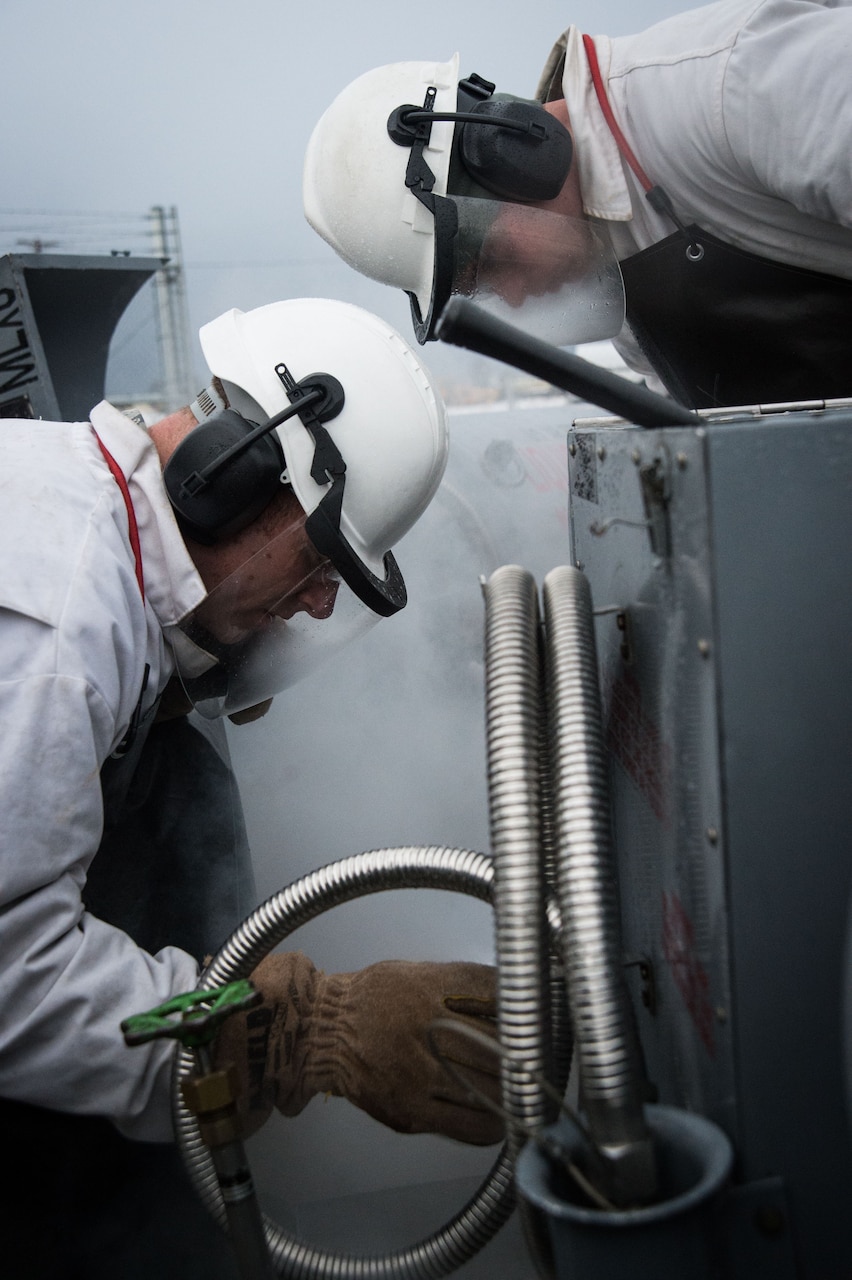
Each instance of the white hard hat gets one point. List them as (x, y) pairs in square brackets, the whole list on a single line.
[(353, 168), (391, 431), (356, 428), (441, 206)]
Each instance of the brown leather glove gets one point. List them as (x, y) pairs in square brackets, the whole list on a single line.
[(362, 1036)]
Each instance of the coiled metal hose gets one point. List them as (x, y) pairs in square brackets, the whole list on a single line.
[(440, 1254)]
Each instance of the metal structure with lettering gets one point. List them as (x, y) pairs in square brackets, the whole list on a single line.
[(58, 313)]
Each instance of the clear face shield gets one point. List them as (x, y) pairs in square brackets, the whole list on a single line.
[(554, 276), (272, 621), (497, 239)]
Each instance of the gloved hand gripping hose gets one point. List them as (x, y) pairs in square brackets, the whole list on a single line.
[(361, 1036)]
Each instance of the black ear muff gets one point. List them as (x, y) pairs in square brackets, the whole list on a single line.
[(213, 498), (511, 162), (511, 147)]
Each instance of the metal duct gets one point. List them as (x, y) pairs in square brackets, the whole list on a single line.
[(57, 317)]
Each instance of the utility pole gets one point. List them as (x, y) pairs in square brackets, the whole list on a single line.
[(171, 310)]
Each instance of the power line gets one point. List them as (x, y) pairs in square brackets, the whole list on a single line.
[(98, 233), (71, 213), (264, 265), (78, 231)]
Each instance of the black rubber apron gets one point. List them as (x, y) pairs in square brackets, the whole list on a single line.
[(722, 326)]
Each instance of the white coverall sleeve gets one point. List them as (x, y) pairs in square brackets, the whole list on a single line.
[(67, 979), (787, 105)]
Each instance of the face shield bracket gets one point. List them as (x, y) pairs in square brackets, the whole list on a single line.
[(411, 126), (385, 596), (314, 412)]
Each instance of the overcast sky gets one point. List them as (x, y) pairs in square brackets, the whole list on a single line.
[(205, 105)]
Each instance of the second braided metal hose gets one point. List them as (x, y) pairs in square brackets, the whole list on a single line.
[(514, 722), (513, 704), (609, 1060)]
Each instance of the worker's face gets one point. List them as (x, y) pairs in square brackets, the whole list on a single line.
[(536, 248), (266, 621), (526, 256), (551, 274), (285, 576)]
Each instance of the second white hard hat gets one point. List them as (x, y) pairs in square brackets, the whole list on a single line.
[(438, 207), (353, 169)]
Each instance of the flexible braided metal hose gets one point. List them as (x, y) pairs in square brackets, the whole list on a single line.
[(456, 870), (514, 719), (591, 930), (513, 714)]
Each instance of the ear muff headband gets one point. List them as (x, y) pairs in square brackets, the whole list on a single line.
[(225, 473), (512, 147)]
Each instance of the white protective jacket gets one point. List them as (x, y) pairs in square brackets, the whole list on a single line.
[(74, 640), (741, 110)]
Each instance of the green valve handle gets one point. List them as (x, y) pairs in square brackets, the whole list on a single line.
[(193, 1018)]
